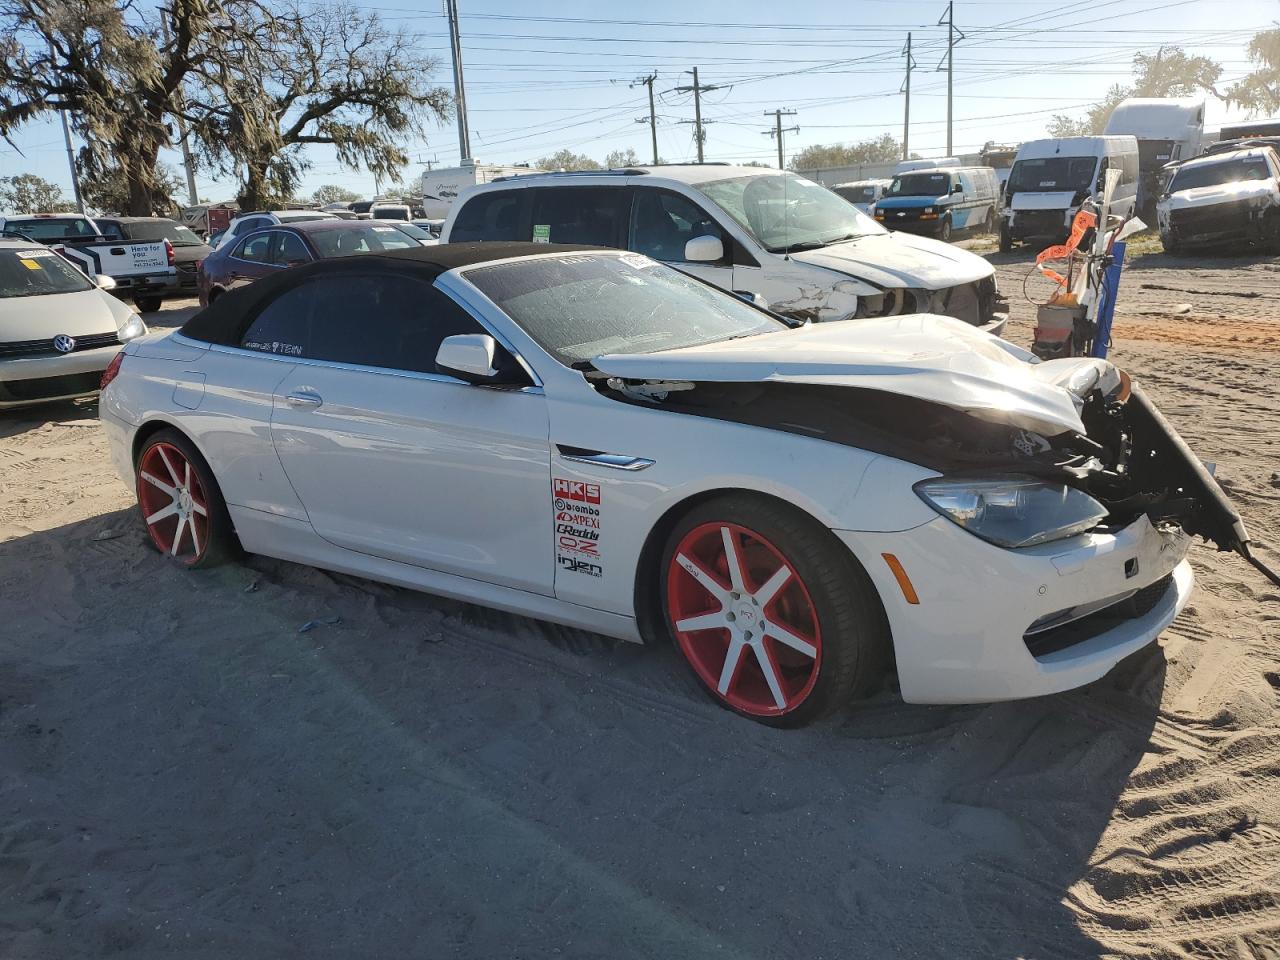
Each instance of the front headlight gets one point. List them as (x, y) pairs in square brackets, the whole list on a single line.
[(132, 329), (1013, 511)]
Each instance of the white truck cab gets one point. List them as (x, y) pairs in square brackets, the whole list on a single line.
[(1168, 130), (1051, 178), (755, 231), (1225, 199)]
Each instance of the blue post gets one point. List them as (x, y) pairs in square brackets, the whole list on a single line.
[(1107, 305)]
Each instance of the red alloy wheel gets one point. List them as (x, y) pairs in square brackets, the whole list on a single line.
[(744, 619), (173, 503)]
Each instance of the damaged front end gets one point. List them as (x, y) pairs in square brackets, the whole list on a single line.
[(1128, 458)]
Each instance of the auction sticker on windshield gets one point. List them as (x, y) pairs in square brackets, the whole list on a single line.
[(542, 233)]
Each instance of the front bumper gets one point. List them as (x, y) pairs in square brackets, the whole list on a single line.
[(967, 640), (30, 380)]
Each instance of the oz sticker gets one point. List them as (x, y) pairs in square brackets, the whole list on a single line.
[(637, 260), (542, 233), (34, 254)]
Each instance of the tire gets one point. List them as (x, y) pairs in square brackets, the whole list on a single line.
[(944, 230), (1171, 246), (148, 304), (180, 504), (821, 633), (989, 224), (1006, 239)]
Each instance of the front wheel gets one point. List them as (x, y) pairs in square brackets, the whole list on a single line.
[(1006, 237), (148, 304), (944, 231), (772, 612), (182, 507)]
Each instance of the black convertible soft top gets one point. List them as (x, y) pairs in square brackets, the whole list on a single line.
[(225, 320)]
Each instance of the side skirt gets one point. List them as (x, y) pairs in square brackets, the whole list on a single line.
[(287, 539)]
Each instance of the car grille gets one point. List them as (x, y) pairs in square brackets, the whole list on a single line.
[(76, 384), (1039, 223), (45, 348), (974, 303), (1044, 642), (1219, 218)]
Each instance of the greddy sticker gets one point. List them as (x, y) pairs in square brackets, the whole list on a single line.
[(576, 505)]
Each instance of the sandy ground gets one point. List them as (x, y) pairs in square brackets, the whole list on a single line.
[(185, 773)]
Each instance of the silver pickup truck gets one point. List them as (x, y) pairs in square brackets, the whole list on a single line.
[(144, 272)]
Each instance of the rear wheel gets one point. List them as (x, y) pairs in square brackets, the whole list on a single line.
[(773, 614), (148, 304), (989, 224), (182, 507)]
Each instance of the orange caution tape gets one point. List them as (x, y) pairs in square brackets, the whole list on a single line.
[(1083, 221)]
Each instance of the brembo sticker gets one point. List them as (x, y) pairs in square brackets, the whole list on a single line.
[(577, 509)]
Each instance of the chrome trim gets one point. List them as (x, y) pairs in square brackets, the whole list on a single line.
[(612, 460)]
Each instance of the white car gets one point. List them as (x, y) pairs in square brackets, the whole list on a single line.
[(1221, 200), (58, 329), (246, 223), (596, 439), (766, 233)]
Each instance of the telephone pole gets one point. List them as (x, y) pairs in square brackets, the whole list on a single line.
[(954, 36), (459, 88), (777, 130), (699, 134), (906, 114), (653, 119)]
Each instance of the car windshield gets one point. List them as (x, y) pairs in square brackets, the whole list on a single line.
[(920, 185), (413, 230), (36, 272), (783, 211), (153, 230), (1053, 175), (578, 307), (355, 238), (1225, 171), (52, 228), (857, 194)]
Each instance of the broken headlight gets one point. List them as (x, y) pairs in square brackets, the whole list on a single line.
[(1013, 511)]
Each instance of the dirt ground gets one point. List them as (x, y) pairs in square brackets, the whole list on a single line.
[(185, 771)]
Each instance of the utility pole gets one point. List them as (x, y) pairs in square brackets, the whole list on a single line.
[(71, 156), (906, 114), (459, 88), (777, 130), (699, 134), (653, 119), (954, 36)]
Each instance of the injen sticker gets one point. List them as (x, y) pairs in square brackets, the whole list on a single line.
[(577, 509)]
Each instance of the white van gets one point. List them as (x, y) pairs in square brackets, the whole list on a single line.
[(441, 187), (1168, 130), (863, 194), (941, 201), (752, 230), (1050, 179)]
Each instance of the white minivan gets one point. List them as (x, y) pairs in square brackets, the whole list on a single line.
[(1050, 179), (758, 232), (863, 194)]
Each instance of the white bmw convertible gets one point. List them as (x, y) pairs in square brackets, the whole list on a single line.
[(592, 438)]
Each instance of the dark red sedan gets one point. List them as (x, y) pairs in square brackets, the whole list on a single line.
[(245, 259)]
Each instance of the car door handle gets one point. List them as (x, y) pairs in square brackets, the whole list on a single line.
[(304, 398)]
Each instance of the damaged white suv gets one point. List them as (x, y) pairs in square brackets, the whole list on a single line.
[(765, 234), (1227, 199)]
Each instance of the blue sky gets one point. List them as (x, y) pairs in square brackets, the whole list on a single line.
[(543, 75)]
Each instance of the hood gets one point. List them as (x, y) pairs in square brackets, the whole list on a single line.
[(899, 260), (934, 358), (1037, 200), (1219, 193), (75, 314), (911, 203)]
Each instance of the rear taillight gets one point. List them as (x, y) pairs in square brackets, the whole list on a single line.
[(168, 252), (113, 369)]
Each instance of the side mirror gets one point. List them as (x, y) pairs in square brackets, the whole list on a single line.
[(105, 282), (477, 358), (704, 249), (957, 188)]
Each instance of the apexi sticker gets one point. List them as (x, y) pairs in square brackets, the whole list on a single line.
[(577, 508)]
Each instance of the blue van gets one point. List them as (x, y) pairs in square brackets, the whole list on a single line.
[(941, 201)]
